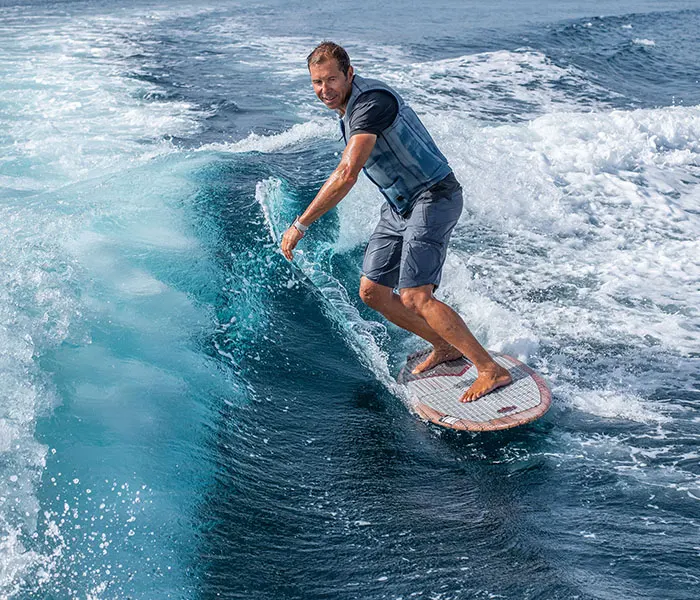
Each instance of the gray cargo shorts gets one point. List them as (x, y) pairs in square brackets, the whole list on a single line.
[(410, 251)]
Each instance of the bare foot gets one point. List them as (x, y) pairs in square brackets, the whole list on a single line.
[(437, 357), (487, 381)]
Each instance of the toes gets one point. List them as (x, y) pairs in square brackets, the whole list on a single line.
[(419, 369), (471, 394), (424, 366)]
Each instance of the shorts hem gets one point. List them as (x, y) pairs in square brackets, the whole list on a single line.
[(413, 284), (379, 281)]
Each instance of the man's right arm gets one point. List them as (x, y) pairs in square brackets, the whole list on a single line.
[(335, 189), (343, 178)]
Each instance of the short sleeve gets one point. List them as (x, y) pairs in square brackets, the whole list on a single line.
[(373, 112)]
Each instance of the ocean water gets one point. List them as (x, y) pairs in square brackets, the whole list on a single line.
[(183, 414)]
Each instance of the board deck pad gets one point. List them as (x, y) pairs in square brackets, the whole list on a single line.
[(435, 394)]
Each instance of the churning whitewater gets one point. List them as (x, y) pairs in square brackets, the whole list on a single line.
[(186, 415)]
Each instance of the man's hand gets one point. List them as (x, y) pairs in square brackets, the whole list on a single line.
[(290, 239)]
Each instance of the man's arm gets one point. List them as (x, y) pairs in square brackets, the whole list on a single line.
[(335, 189)]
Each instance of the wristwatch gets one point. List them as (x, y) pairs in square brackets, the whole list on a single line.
[(300, 226)]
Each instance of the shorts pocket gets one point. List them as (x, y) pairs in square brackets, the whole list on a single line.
[(441, 211), (422, 262)]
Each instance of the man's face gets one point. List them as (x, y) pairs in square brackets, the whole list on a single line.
[(331, 85)]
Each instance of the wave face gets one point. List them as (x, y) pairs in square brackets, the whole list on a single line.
[(185, 414)]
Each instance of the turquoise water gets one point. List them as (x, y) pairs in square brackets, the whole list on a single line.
[(186, 415)]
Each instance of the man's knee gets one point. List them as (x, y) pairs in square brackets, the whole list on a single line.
[(373, 294), (415, 299)]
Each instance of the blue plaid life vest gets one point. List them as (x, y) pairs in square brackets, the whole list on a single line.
[(405, 161)]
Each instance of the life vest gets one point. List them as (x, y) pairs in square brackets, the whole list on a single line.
[(405, 161)]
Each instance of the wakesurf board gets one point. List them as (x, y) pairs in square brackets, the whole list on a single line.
[(434, 394)]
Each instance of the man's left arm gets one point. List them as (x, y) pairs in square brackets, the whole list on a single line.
[(335, 189)]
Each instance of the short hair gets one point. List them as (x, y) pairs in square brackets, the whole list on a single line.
[(327, 50)]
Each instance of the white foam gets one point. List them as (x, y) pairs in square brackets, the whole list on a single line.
[(589, 196), (79, 114), (501, 85), (299, 134), (35, 310), (496, 327), (613, 404), (643, 42)]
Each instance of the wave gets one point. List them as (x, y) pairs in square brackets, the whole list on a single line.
[(620, 181), (578, 241), (361, 335)]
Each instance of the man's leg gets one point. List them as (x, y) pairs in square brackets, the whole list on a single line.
[(383, 299), (381, 275), (423, 253), (450, 327), (381, 268)]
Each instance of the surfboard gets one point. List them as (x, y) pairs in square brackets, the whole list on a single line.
[(434, 394)]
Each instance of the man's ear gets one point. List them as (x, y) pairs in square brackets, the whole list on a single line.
[(351, 72)]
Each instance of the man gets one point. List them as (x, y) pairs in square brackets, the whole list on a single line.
[(423, 202)]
